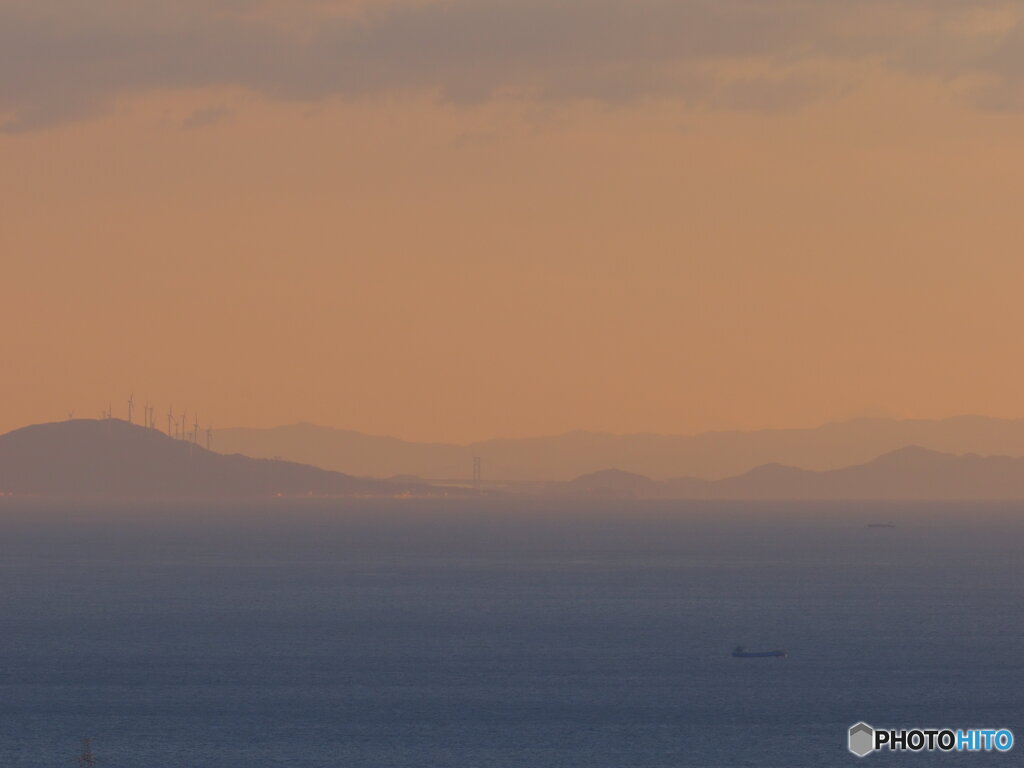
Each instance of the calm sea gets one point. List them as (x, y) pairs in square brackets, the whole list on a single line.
[(429, 634)]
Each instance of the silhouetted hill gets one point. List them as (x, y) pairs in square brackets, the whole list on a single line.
[(711, 455), (907, 473), (918, 473), (910, 473), (114, 459), (613, 483)]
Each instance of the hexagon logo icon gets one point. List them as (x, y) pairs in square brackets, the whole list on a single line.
[(861, 739)]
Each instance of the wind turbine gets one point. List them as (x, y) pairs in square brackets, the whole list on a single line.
[(195, 430), (209, 436), (131, 405), (170, 420)]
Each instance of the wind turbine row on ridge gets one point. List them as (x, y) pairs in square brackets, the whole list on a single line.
[(176, 428)]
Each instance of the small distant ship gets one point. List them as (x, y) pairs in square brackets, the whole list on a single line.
[(881, 525), (739, 652)]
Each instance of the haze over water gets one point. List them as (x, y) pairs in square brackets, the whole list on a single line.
[(454, 249), (501, 633)]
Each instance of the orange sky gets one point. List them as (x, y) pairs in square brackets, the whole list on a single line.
[(476, 241)]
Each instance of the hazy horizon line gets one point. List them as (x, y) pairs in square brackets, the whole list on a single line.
[(566, 433)]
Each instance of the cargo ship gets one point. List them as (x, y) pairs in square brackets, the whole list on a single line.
[(739, 652)]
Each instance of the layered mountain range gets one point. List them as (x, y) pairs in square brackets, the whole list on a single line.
[(114, 459), (911, 473), (709, 456)]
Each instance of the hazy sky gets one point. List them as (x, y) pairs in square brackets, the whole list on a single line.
[(456, 220)]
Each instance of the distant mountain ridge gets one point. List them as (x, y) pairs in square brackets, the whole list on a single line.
[(710, 455), (111, 458), (910, 473), (612, 483)]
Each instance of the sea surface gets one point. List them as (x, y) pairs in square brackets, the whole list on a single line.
[(426, 634)]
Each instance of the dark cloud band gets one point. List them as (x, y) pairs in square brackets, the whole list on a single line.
[(61, 61)]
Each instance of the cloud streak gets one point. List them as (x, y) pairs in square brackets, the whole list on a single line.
[(61, 61)]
